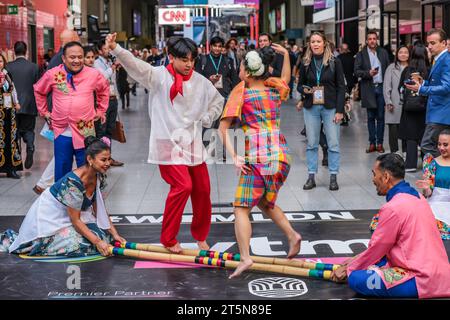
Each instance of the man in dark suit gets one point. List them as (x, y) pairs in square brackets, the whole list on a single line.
[(370, 65), (265, 40), (25, 74), (437, 89)]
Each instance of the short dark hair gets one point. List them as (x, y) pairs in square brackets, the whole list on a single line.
[(180, 47), (100, 44), (442, 34), (265, 34), (20, 48), (217, 39), (393, 163), (445, 132), (70, 45), (88, 49), (372, 31)]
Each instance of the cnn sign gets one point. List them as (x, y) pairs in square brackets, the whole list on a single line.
[(174, 16)]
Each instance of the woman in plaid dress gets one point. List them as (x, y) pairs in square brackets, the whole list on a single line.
[(256, 103)]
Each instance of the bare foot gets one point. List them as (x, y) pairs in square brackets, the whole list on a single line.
[(175, 248), (294, 245), (242, 266), (202, 245)]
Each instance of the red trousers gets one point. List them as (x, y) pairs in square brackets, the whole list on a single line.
[(186, 181)]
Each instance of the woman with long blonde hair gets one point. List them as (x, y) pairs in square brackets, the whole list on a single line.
[(322, 88)]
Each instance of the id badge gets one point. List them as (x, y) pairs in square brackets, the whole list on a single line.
[(318, 95), (7, 100), (219, 83)]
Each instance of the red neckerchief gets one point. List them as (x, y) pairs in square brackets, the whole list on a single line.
[(177, 86)]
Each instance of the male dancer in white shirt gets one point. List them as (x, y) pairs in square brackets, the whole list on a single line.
[(181, 101)]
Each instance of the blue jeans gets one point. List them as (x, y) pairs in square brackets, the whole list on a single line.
[(376, 133), (64, 153), (314, 117)]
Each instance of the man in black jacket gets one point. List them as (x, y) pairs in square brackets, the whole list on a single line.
[(275, 68), (370, 65), (25, 74), (218, 68)]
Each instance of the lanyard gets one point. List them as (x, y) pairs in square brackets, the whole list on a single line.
[(214, 64), (318, 71)]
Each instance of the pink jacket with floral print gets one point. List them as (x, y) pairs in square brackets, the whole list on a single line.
[(74, 108), (408, 237)]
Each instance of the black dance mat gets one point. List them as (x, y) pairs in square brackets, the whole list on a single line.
[(328, 236)]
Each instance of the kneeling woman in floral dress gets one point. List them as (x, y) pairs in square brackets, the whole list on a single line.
[(69, 218)]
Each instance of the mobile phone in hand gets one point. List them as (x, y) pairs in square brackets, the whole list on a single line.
[(409, 82)]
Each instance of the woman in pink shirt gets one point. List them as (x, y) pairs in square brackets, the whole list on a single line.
[(406, 256)]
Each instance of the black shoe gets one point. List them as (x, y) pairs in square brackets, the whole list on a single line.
[(310, 184), (13, 174), (303, 132), (29, 160), (333, 183)]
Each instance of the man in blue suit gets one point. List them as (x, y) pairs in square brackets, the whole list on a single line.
[(437, 88)]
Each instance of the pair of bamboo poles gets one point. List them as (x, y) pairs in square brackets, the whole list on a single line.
[(224, 259)]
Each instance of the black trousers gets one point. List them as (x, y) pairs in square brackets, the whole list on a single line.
[(411, 154), (111, 116), (124, 95), (106, 129), (26, 124), (393, 138)]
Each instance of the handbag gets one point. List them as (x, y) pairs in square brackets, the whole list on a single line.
[(413, 102), (118, 133)]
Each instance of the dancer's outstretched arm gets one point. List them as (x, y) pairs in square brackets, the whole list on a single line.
[(137, 69)]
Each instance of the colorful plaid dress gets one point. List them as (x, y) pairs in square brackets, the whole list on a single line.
[(266, 150)]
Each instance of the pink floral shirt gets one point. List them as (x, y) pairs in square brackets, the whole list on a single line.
[(73, 108)]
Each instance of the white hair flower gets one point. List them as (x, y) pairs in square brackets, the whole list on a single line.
[(254, 63)]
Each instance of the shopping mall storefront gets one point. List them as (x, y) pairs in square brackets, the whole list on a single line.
[(398, 21)]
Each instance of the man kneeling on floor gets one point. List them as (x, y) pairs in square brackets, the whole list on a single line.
[(406, 257)]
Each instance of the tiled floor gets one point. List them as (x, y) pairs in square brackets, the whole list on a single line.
[(137, 188)]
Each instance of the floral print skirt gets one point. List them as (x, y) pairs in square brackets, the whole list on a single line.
[(66, 242)]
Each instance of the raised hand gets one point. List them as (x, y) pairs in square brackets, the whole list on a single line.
[(110, 40), (279, 49)]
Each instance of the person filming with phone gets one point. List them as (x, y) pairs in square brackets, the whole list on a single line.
[(412, 122), (370, 67)]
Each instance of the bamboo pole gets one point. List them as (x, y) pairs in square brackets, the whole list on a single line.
[(157, 256), (231, 256)]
